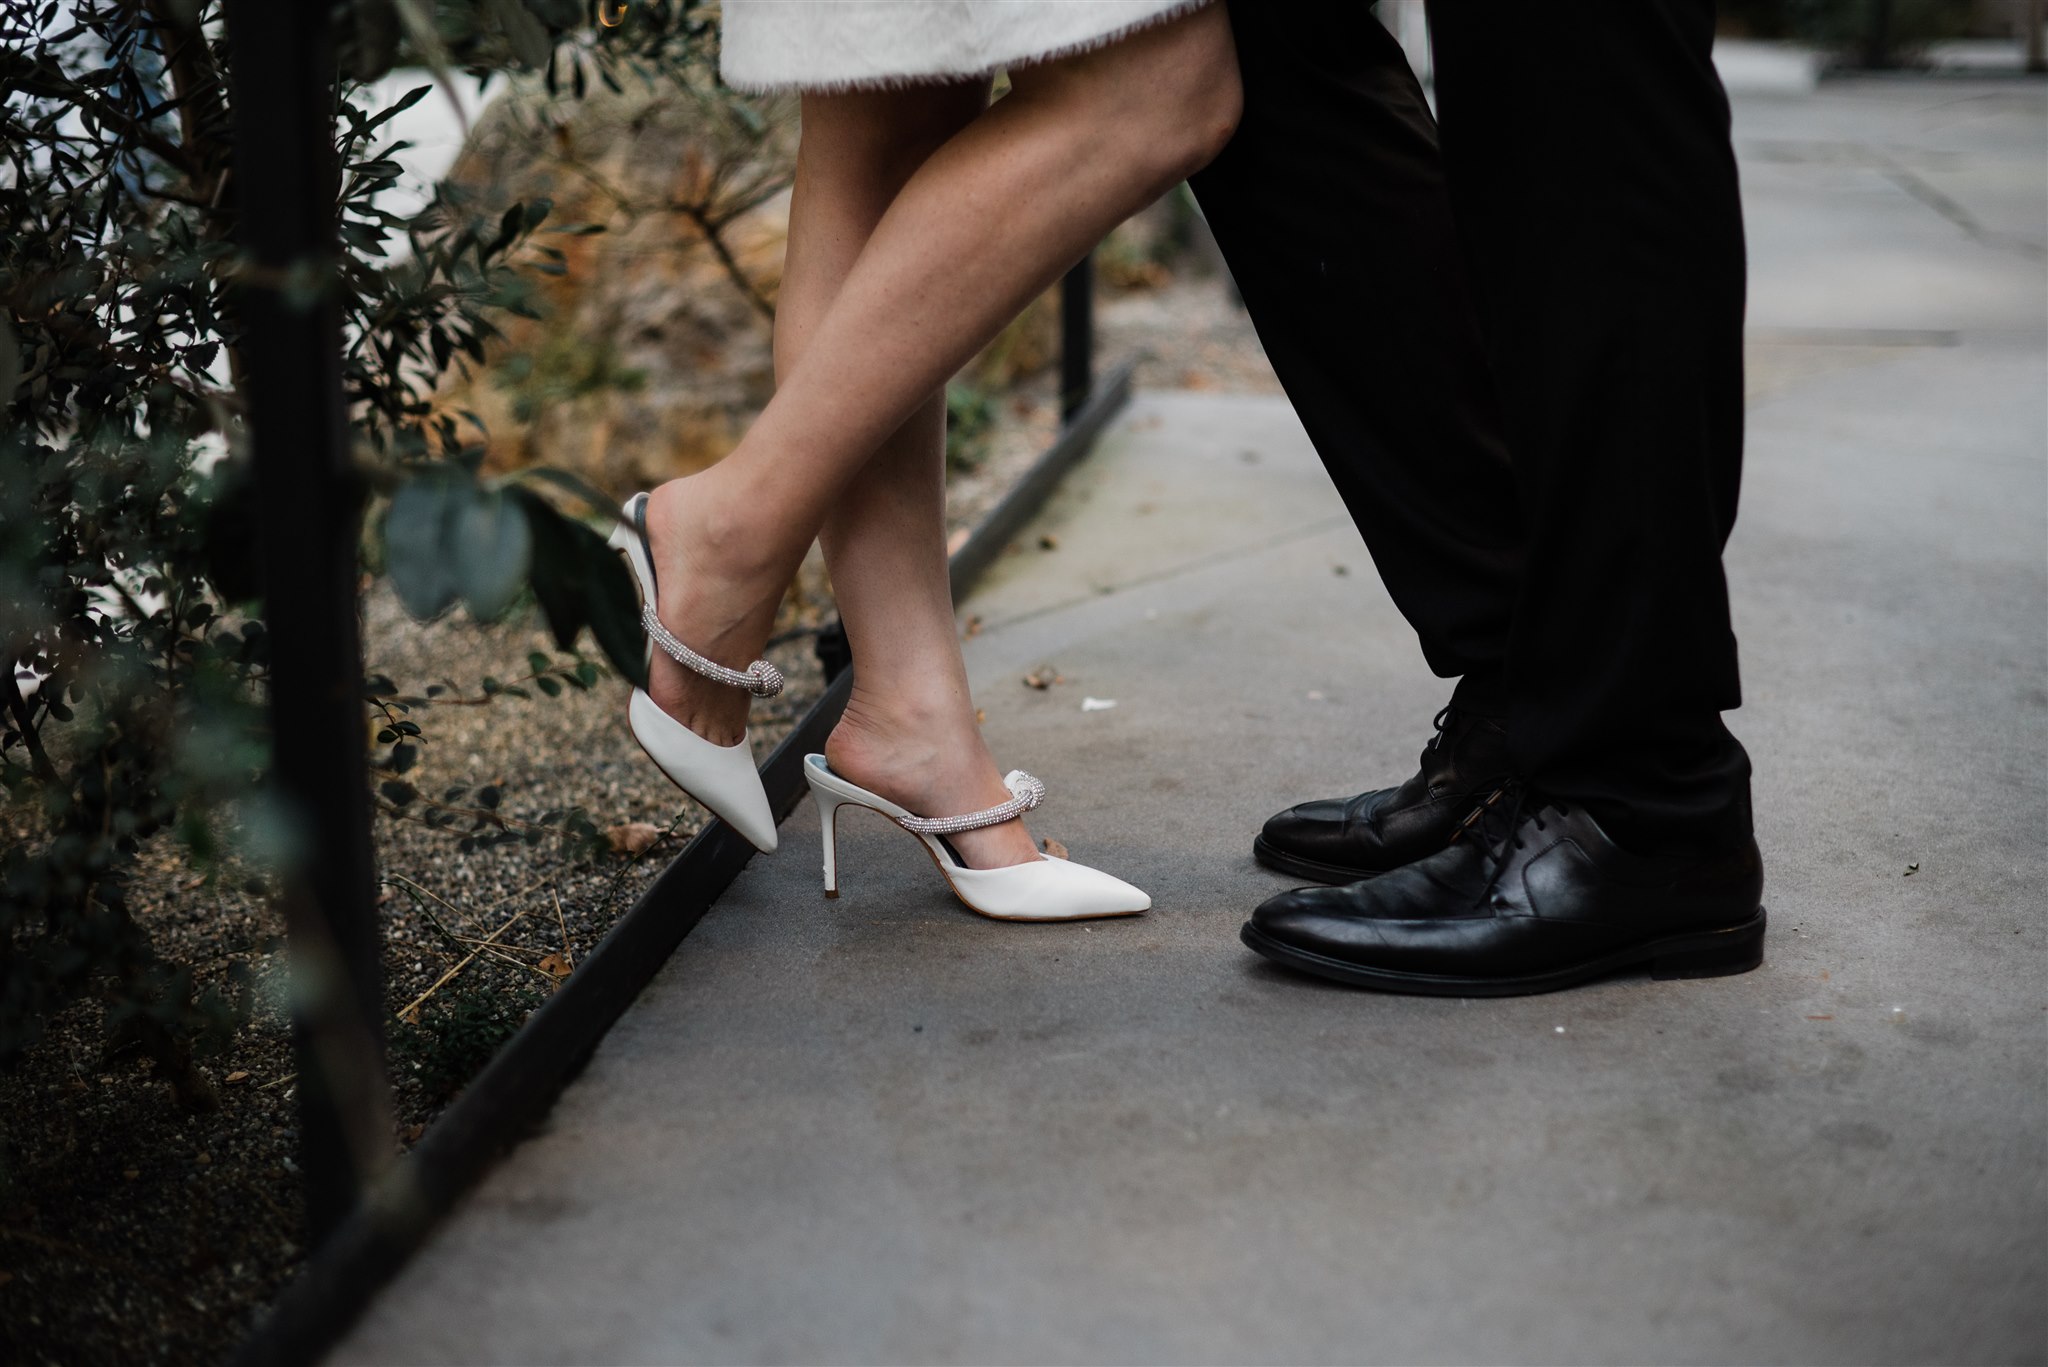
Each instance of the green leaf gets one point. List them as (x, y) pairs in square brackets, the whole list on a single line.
[(397, 791), (418, 21), (551, 687), (417, 533), (527, 36), (493, 551), (580, 581), (537, 662)]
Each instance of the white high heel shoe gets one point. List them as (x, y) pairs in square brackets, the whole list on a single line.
[(1047, 889), (722, 777)]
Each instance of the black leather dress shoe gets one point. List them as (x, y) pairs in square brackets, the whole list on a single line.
[(1531, 897), (1340, 840)]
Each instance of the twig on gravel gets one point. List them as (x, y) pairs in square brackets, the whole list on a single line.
[(471, 958), (568, 959), (497, 952), (416, 889)]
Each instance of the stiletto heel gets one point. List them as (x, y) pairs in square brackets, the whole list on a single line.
[(828, 826), (1046, 889), (722, 777)]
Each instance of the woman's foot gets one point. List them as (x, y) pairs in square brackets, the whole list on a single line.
[(717, 594), (930, 759)]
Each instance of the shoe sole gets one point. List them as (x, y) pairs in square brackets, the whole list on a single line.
[(1699, 954), (1275, 858)]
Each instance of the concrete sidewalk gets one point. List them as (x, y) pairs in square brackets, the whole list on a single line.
[(883, 1130)]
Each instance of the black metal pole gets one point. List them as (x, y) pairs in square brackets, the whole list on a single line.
[(1877, 52), (1077, 338), (309, 507)]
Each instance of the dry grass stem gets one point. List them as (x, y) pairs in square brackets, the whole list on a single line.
[(469, 959)]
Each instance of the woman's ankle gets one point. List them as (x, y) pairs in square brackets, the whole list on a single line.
[(715, 530)]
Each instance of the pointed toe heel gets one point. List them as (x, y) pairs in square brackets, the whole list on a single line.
[(1046, 889), (721, 777)]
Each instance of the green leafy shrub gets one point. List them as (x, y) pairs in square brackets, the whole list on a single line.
[(128, 613)]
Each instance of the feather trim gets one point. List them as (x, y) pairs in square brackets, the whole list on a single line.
[(919, 80)]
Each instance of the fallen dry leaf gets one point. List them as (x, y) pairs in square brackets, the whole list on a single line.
[(1048, 542), (555, 964), (414, 1131), (973, 626), (980, 716), (1054, 848), (131, 1173), (238, 1076), (632, 837), (204, 1160), (1044, 677), (1911, 869)]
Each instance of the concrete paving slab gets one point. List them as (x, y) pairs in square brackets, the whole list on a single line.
[(883, 1130)]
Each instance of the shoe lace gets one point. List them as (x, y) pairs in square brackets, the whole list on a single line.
[(1497, 825), (1443, 720)]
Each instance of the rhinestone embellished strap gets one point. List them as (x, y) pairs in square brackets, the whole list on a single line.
[(760, 678), (1026, 792)]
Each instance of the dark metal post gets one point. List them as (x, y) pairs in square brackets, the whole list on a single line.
[(1077, 338), (309, 507), (2034, 14), (1877, 51)]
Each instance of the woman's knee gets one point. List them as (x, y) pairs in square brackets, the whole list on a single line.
[(1168, 96), (1203, 95)]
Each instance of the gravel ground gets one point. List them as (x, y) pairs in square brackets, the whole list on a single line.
[(132, 1231)]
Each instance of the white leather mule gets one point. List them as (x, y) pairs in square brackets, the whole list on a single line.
[(722, 777), (1047, 889)]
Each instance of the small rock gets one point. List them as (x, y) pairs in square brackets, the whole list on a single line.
[(1054, 848)]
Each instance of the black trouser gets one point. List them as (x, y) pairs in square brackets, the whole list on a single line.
[(1559, 275)]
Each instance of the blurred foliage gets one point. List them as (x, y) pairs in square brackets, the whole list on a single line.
[(1849, 24), (970, 423), (128, 598)]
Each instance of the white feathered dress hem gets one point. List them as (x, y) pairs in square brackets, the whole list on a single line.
[(835, 46)]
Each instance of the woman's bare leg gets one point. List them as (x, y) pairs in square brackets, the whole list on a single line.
[(991, 218), (909, 731)]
